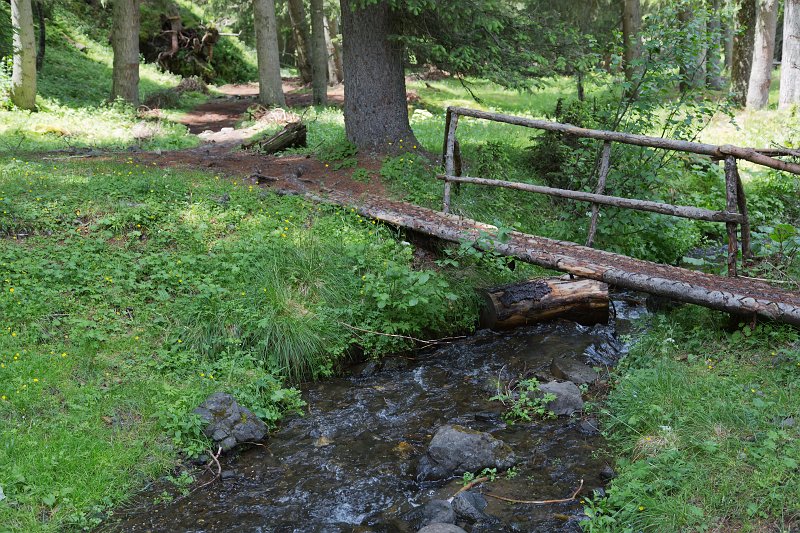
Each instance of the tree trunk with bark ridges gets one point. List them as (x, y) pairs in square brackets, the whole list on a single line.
[(375, 110), (23, 73), (125, 42), (790, 62), (297, 16), (742, 60), (333, 75), (270, 87), (714, 60), (333, 27), (631, 34), (319, 53), (763, 50)]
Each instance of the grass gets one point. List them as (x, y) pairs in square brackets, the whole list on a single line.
[(129, 293), (703, 425)]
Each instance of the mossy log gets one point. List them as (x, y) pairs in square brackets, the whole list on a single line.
[(293, 135), (583, 300)]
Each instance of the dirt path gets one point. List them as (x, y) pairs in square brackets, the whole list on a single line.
[(226, 111)]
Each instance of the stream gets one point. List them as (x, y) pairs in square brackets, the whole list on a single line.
[(349, 464)]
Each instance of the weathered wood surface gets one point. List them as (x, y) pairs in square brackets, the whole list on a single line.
[(713, 150), (585, 301), (733, 295), (697, 213), (602, 174), (293, 135)]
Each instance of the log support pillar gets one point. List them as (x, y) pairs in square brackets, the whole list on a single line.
[(451, 123), (605, 163), (731, 206)]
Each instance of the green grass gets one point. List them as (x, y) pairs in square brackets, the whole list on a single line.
[(701, 422), (129, 293)]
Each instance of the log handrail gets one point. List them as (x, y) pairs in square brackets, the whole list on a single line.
[(734, 191), (697, 213)]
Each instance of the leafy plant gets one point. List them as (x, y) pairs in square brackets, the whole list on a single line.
[(524, 402)]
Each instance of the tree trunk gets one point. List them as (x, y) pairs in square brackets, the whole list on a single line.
[(375, 109), (23, 73), (727, 35), (333, 24), (297, 16), (319, 53), (333, 77), (125, 42), (39, 8), (790, 62), (713, 62), (270, 87), (693, 71), (632, 37), (743, 51), (763, 50), (585, 301)]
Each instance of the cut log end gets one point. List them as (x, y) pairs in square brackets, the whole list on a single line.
[(584, 301)]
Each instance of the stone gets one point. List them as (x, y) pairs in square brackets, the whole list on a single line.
[(571, 370), (589, 427), (228, 474), (433, 512), (607, 473), (787, 422), (469, 506), (455, 449), (568, 397), (441, 528), (228, 423)]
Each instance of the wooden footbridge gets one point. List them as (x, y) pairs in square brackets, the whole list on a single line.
[(734, 294)]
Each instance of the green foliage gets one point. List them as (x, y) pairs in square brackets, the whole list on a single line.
[(698, 420), (524, 402), (412, 174), (339, 155)]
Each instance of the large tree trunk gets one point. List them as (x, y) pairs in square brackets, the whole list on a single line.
[(763, 50), (375, 110), (270, 87), (125, 42), (319, 53), (693, 70), (790, 62), (743, 50), (297, 16), (333, 74), (714, 60), (23, 73), (631, 35), (727, 35)]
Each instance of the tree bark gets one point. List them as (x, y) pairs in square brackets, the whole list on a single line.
[(742, 60), (763, 50), (39, 7), (333, 26), (375, 109), (23, 72), (319, 53), (790, 62), (125, 42), (585, 301), (631, 35), (713, 61), (693, 71), (270, 87), (333, 74), (297, 16)]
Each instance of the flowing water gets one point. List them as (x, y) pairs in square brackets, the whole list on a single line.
[(349, 464)]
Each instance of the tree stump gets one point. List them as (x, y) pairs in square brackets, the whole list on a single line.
[(583, 300)]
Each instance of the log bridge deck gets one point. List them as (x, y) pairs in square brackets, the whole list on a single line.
[(733, 294)]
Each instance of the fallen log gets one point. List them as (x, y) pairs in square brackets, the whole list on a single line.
[(293, 135), (585, 301)]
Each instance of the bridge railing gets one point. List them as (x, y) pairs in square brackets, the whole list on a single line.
[(735, 213)]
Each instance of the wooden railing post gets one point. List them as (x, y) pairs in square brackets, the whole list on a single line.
[(451, 123), (731, 205), (605, 163), (742, 204)]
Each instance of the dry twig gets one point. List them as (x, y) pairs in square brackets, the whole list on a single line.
[(538, 502)]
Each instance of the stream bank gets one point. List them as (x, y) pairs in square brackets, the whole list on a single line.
[(350, 463)]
